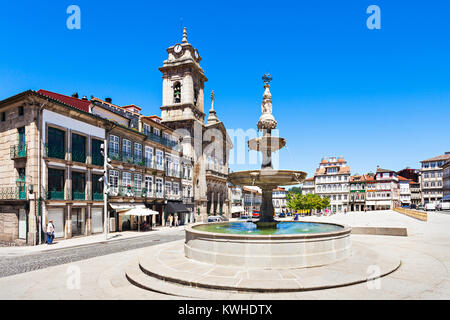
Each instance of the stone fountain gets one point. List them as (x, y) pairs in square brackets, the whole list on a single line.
[(267, 178)]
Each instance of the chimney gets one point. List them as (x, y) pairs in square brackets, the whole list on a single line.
[(109, 100), (75, 95)]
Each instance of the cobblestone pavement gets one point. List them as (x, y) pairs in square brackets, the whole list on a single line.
[(35, 261)]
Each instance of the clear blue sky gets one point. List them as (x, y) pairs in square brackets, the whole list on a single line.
[(377, 97)]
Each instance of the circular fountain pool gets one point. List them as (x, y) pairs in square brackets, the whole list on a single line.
[(288, 245), (285, 227)]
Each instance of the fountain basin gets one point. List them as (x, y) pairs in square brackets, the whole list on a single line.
[(267, 144), (267, 247), (269, 177)]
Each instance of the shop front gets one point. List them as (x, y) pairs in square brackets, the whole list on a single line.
[(178, 209)]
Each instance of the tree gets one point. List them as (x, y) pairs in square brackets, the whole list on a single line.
[(296, 190), (309, 202)]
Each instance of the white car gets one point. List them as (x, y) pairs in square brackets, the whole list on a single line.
[(443, 205), (430, 207)]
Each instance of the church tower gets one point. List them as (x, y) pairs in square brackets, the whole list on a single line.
[(183, 84)]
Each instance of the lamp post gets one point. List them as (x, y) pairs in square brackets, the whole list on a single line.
[(106, 185)]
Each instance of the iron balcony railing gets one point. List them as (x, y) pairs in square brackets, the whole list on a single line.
[(18, 151), (55, 194), (164, 141), (77, 195), (13, 193), (97, 196), (52, 151)]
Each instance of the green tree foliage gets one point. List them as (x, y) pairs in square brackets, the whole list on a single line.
[(296, 190), (310, 201)]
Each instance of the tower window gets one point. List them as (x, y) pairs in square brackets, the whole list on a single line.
[(195, 96), (21, 111), (177, 92), (3, 116)]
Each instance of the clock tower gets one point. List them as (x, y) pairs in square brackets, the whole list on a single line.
[(183, 84)]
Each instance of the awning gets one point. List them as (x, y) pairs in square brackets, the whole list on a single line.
[(236, 209), (140, 212), (175, 207), (120, 207)]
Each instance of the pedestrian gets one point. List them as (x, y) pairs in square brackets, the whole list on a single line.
[(170, 220), (50, 232), (176, 219)]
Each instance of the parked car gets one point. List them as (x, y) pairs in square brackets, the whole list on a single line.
[(214, 219), (430, 206), (443, 205), (420, 207)]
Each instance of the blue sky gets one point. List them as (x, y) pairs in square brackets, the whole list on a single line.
[(377, 97)]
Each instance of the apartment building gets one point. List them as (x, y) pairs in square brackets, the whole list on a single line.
[(308, 186), (382, 190), (446, 181), (52, 167), (416, 193), (279, 200), (332, 179), (252, 199), (432, 178), (237, 201), (405, 191), (357, 196)]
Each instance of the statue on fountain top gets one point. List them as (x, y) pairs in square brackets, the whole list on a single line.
[(267, 121)]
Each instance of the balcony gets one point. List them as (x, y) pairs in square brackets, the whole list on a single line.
[(55, 195), (139, 161), (97, 196), (127, 157), (77, 195), (13, 193), (18, 151), (166, 142), (56, 152)]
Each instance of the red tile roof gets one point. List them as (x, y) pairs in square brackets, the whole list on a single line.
[(82, 105)]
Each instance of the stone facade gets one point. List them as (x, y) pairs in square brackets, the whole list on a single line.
[(208, 144), (431, 174)]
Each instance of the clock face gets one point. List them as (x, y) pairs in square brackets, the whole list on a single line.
[(177, 48)]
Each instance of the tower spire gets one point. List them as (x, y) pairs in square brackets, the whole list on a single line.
[(184, 35)]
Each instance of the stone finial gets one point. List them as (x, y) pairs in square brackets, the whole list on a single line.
[(184, 35), (212, 118), (213, 97)]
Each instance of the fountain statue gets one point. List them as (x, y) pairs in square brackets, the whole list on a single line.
[(267, 178)]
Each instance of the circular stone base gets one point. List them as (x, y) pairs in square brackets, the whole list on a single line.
[(167, 262)]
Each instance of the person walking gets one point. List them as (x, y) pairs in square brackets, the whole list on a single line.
[(176, 220), (170, 221), (50, 232)]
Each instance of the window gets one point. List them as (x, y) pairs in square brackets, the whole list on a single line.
[(20, 111), (149, 184), (149, 156), (78, 186), (56, 147), (97, 187), (113, 145), (138, 181), (159, 187), (147, 129), (176, 188), (78, 148), (177, 92), (159, 159), (156, 131), (126, 148), (96, 156), (56, 182), (168, 188), (168, 164), (3, 116), (138, 152), (114, 179), (126, 179)]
